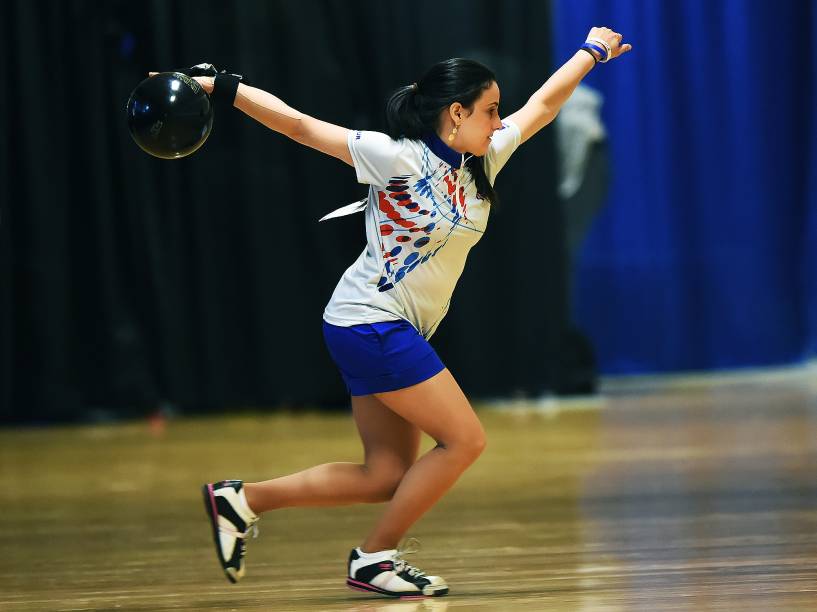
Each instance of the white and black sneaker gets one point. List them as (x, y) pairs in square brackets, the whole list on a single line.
[(386, 573), (231, 520)]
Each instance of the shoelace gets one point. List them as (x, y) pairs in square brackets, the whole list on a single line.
[(408, 547), (239, 534)]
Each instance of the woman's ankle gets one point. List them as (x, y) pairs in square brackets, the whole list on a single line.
[(254, 500), (370, 547)]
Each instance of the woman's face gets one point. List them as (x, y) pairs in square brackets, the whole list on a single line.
[(478, 123)]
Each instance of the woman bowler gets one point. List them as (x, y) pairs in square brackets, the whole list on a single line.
[(431, 184)]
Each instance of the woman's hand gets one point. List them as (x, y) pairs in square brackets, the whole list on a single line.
[(206, 82), (611, 38)]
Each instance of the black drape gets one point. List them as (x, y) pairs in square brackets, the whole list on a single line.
[(128, 281)]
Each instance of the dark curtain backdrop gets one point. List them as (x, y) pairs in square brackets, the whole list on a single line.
[(129, 281), (705, 254)]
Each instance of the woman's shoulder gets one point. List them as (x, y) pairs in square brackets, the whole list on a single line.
[(377, 156), (382, 145), (375, 138)]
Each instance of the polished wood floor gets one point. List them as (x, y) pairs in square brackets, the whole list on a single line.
[(697, 495)]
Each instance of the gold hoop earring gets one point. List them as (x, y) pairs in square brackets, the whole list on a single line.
[(452, 134)]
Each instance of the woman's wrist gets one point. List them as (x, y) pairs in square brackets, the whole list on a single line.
[(591, 53), (600, 51), (225, 88)]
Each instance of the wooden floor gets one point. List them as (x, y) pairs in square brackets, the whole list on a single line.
[(697, 495)]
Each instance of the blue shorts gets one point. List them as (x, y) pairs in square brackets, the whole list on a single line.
[(378, 357)]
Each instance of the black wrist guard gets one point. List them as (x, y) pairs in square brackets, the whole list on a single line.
[(225, 89), (225, 84)]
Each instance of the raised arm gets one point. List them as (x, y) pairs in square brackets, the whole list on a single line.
[(545, 103), (277, 115)]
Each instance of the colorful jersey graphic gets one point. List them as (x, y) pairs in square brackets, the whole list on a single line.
[(423, 215)]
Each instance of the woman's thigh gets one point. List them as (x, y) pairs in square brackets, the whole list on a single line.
[(389, 440), (439, 408)]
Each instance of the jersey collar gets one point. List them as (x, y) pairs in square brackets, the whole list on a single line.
[(442, 150)]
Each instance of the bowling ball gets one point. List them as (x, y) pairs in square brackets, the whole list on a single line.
[(169, 115)]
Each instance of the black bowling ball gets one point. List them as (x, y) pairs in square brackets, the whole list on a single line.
[(169, 115)]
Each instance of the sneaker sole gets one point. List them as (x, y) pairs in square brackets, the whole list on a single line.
[(368, 588), (212, 514)]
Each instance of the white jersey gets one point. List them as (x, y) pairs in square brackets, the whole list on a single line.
[(423, 215)]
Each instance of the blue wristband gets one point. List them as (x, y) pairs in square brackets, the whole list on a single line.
[(591, 54), (601, 52)]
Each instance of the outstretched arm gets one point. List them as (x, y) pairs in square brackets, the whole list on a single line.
[(545, 103), (276, 115)]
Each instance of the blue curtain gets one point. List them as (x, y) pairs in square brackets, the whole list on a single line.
[(704, 254)]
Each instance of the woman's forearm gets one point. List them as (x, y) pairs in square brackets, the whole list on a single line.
[(545, 103), (300, 127), (561, 84), (269, 110)]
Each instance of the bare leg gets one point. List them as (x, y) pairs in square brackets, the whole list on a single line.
[(390, 445), (438, 407)]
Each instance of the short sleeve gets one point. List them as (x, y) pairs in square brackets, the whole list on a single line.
[(375, 155), (503, 143)]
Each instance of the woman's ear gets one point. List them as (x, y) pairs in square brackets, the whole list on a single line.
[(455, 111)]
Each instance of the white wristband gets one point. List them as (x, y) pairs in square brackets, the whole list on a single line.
[(606, 46)]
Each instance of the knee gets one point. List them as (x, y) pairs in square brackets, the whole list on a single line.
[(469, 444), (476, 444), (384, 480), (479, 443)]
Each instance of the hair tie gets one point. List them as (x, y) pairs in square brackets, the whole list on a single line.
[(415, 87)]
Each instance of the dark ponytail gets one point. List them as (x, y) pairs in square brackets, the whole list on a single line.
[(414, 110)]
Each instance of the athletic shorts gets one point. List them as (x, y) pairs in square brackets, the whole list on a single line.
[(378, 357)]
